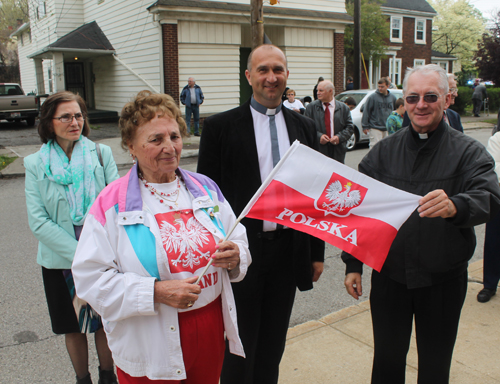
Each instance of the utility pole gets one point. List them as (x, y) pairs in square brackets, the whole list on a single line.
[(257, 22), (357, 44)]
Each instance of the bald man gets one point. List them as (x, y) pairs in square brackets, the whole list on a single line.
[(332, 120), (238, 150)]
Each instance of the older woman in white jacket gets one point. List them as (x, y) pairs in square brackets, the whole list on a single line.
[(145, 241)]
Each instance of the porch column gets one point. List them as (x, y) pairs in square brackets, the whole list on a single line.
[(58, 65), (370, 74), (40, 82)]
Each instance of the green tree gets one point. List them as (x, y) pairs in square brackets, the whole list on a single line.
[(457, 29), (488, 53), (10, 12), (374, 32)]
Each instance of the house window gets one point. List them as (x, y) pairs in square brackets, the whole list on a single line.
[(418, 62), (396, 28), (420, 31), (41, 9), (443, 65), (395, 70)]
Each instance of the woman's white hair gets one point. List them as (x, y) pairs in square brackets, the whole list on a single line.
[(425, 70)]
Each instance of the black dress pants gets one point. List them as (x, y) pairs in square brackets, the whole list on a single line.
[(264, 301), (476, 106), (436, 310)]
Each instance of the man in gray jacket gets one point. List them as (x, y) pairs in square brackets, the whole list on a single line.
[(332, 120), (477, 98), (377, 109)]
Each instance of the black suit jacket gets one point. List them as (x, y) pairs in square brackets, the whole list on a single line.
[(228, 155)]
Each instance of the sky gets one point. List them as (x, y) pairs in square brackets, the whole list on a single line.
[(486, 6)]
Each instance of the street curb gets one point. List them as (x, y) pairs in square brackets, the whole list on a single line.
[(5, 174)]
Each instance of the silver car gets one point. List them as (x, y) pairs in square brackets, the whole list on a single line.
[(360, 96)]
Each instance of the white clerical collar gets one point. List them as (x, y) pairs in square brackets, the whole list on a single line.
[(264, 110), (423, 136)]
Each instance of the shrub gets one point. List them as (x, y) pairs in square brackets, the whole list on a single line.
[(464, 99)]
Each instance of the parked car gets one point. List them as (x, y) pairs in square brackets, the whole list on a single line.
[(360, 96), (16, 106)]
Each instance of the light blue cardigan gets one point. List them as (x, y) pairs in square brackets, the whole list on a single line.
[(48, 209)]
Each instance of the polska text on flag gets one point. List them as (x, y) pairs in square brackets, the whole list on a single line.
[(312, 193)]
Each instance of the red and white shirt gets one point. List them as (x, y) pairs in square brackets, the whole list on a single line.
[(189, 246)]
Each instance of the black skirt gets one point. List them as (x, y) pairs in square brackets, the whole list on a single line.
[(61, 309)]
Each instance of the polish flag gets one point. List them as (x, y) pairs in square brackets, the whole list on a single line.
[(312, 193)]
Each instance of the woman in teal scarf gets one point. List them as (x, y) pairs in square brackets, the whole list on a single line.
[(62, 181)]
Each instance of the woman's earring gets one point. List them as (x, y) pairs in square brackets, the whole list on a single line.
[(133, 158)]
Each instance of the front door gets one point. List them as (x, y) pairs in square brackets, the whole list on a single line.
[(75, 79)]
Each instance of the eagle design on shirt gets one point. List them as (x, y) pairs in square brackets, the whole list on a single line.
[(185, 239), (341, 199)]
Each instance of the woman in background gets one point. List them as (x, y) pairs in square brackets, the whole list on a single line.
[(62, 181)]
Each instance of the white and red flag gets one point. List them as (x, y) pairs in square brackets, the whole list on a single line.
[(312, 193)]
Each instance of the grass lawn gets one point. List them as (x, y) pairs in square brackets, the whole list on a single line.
[(6, 160)]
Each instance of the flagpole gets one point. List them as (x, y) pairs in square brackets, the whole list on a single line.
[(252, 201)]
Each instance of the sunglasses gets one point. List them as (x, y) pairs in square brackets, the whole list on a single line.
[(429, 98)]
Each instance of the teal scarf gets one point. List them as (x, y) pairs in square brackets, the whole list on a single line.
[(76, 176)]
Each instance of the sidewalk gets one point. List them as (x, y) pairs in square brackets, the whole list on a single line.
[(339, 347), (123, 160)]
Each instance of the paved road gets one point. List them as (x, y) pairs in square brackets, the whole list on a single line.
[(31, 353), (15, 134)]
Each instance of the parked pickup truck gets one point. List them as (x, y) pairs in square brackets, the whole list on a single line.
[(16, 106)]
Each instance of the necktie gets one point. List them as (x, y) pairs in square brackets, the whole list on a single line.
[(328, 126), (275, 149)]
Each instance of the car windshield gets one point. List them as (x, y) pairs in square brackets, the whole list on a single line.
[(12, 90), (356, 96)]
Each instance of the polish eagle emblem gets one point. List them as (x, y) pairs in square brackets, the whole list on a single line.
[(185, 240), (339, 198)]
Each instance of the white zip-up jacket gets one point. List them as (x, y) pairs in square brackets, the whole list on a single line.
[(120, 256)]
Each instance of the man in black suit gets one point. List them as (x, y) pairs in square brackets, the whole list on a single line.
[(453, 117), (238, 150), (333, 122)]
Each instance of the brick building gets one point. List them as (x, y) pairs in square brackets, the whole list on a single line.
[(410, 39)]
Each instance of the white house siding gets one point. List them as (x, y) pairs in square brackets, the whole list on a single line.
[(26, 66), (43, 31), (210, 52), (136, 39), (313, 5), (310, 55), (68, 15)]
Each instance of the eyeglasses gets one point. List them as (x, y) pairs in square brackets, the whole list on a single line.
[(67, 118), (453, 90), (429, 98)]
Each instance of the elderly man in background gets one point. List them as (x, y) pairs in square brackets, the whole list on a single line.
[(425, 274), (453, 117), (333, 122), (477, 98), (238, 150), (192, 97)]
